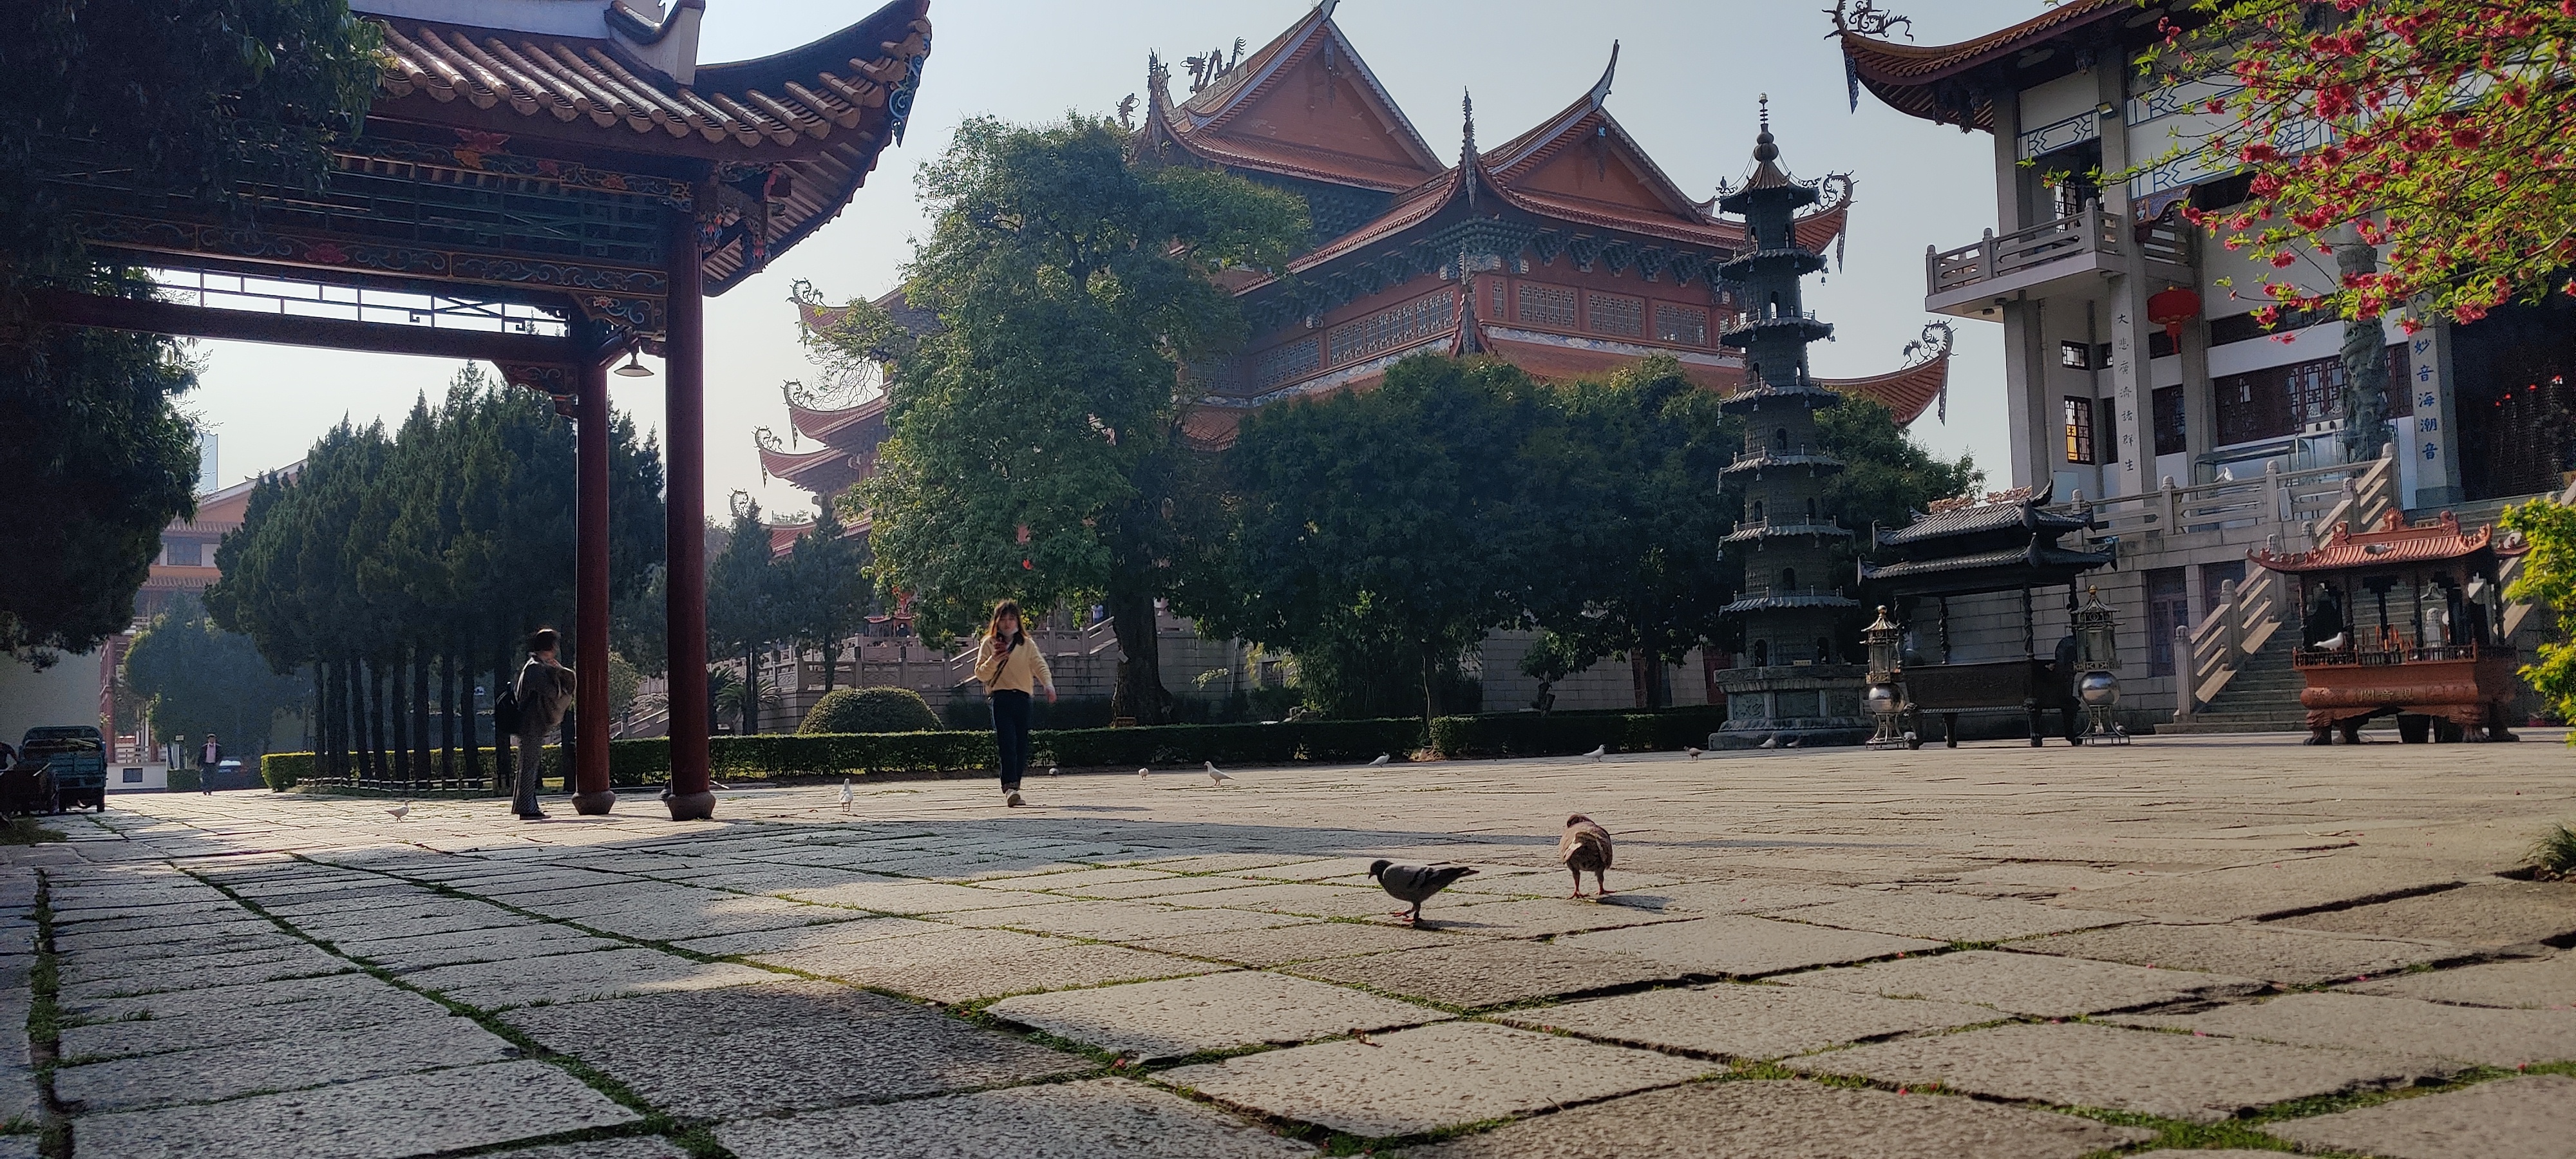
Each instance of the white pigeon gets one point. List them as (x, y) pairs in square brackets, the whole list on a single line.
[(1141, 773), (400, 811), (1793, 743), (2335, 642), (1693, 753), (848, 798), (1381, 759), (1598, 752), (1216, 776), (1769, 742), (1050, 770)]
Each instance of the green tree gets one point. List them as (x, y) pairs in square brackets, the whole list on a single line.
[(2548, 578), (197, 678), (826, 590), (1888, 476), (744, 607), (1071, 283), (178, 98), (1631, 488), (1387, 517)]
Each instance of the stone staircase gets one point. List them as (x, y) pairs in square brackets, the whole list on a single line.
[(2262, 697)]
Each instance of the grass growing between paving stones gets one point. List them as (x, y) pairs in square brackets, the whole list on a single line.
[(45, 1025), (2553, 857), (25, 831), (695, 1138)]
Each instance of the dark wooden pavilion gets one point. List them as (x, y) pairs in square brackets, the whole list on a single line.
[(548, 190)]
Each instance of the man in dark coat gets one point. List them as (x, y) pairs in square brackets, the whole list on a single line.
[(543, 691)]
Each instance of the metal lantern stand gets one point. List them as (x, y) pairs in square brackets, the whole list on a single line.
[(2097, 653)]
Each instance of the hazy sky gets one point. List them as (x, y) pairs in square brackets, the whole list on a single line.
[(1689, 71)]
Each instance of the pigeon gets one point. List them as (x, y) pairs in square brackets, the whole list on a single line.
[(1693, 753), (1381, 759), (1050, 770), (848, 798), (1793, 743), (1769, 742), (1141, 774), (2335, 642), (1584, 847), (1598, 751), (1216, 777), (400, 811), (1414, 883)]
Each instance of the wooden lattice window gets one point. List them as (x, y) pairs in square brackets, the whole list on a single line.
[(1686, 325), (1287, 363), (1617, 314), (1391, 328), (1547, 306)]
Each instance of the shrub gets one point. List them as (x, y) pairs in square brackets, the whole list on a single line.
[(1531, 734), (188, 781), (870, 710), (1316, 740), (975, 713), (283, 770)]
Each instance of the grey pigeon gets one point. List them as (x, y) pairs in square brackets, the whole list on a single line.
[(1598, 751), (1415, 883), (1693, 753), (1381, 759), (1769, 742), (1585, 848), (400, 811)]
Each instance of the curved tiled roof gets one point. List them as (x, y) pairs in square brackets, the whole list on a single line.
[(822, 113), (827, 471), (850, 428), (2392, 543), (1905, 393), (1200, 124), (1910, 77)]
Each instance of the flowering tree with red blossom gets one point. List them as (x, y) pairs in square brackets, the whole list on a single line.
[(2443, 131)]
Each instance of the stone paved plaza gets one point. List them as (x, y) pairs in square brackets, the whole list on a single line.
[(1992, 952)]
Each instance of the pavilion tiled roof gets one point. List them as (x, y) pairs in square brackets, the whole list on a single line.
[(1906, 393), (827, 471), (820, 114), (850, 428), (1204, 124), (1211, 428), (1910, 77), (2391, 543)]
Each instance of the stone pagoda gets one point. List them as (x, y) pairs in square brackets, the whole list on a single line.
[(1796, 685)]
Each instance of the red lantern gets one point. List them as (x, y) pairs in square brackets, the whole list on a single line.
[(2170, 309)]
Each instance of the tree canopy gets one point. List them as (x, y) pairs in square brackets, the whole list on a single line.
[(2444, 130), (1026, 460), (196, 678), (184, 98)]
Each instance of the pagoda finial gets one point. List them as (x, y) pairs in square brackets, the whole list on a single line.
[(1766, 148), (1467, 142), (1601, 90)]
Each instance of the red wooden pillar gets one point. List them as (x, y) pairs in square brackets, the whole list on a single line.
[(591, 793), (684, 504)]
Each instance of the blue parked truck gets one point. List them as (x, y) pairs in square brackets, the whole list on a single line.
[(74, 763)]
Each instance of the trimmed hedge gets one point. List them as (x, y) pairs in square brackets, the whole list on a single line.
[(1531, 734), (184, 781), (1304, 740), (634, 763), (859, 710)]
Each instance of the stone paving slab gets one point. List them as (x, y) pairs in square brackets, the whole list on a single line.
[(2505, 1038), (1096, 1119), (1430, 1077), (2038, 985), (1791, 1120), (425, 951), (1949, 917), (244, 925), (575, 977), (2283, 957), (905, 897), (285, 1063), (1489, 972), (1312, 941), (179, 1003), (1211, 1012), (2525, 1118), (1738, 896), (2267, 889), (2506, 913), (1541, 917), (735, 913), (859, 928), (783, 1047), (293, 957), (202, 1024), (1321, 901), (1159, 885), (2538, 983), (2177, 1076), (1063, 965), (1747, 947), (83, 993), (1114, 921), (1746, 1022), (644, 1148), (382, 1118)]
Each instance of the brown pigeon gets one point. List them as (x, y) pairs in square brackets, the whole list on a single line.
[(1585, 848)]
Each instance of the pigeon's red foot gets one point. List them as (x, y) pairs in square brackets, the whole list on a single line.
[(1577, 895)]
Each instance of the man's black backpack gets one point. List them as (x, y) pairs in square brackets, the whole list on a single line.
[(505, 712)]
